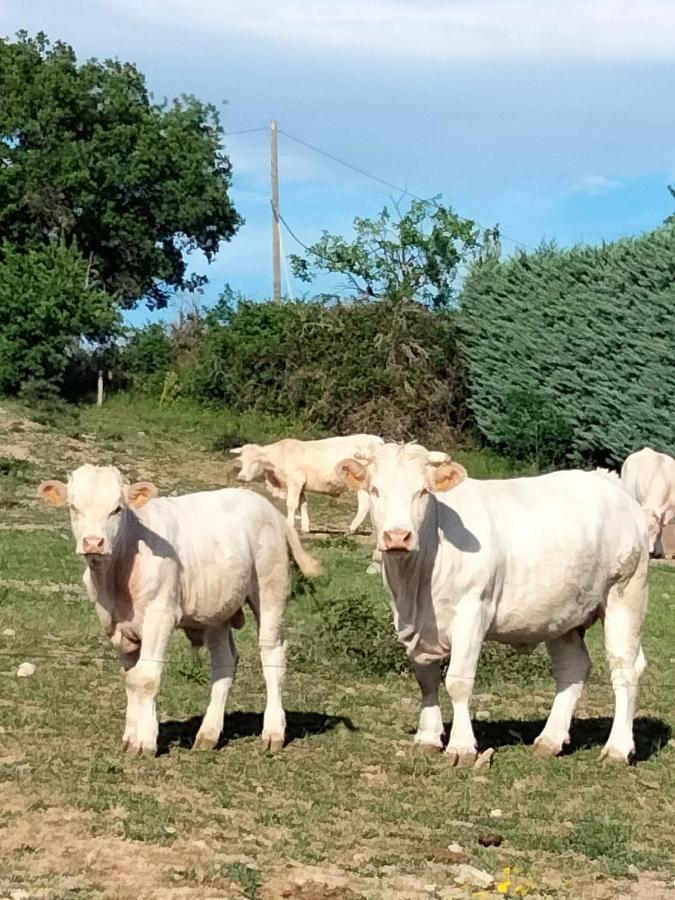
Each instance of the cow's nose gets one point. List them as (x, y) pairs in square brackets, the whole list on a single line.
[(92, 544), (397, 539)]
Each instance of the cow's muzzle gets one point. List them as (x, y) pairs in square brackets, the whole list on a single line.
[(397, 539), (92, 545)]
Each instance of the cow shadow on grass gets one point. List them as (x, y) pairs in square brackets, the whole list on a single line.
[(239, 724), (651, 734)]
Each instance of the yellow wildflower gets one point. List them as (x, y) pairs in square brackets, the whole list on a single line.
[(503, 888)]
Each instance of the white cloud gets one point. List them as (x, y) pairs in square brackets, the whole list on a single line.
[(453, 30), (590, 184)]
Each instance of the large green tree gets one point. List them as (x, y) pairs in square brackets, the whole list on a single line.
[(88, 158), (411, 254)]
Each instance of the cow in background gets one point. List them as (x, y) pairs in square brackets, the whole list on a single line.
[(290, 468), (650, 478)]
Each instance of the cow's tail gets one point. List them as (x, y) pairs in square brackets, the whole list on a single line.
[(309, 566)]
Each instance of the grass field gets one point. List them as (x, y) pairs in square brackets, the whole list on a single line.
[(347, 810)]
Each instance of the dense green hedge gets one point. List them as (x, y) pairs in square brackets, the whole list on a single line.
[(571, 354), (385, 366)]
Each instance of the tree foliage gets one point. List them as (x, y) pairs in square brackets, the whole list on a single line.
[(47, 306), (411, 255), (570, 353), (86, 157)]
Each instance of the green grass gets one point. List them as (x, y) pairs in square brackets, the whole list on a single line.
[(347, 798)]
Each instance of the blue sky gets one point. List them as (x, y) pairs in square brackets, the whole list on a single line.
[(553, 119)]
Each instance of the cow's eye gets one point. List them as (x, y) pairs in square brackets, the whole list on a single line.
[(374, 492), (116, 511), (424, 492)]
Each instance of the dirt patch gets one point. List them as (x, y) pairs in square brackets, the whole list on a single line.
[(49, 845)]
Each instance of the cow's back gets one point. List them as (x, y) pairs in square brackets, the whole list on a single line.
[(215, 535), (312, 463)]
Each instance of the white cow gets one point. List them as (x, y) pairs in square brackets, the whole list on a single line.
[(654, 524), (291, 467), (191, 562), (650, 478), (519, 561)]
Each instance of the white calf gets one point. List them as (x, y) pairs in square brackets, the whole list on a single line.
[(191, 562)]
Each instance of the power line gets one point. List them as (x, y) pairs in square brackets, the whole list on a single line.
[(349, 165), (398, 189), (245, 131)]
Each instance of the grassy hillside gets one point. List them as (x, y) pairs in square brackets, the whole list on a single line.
[(347, 809)]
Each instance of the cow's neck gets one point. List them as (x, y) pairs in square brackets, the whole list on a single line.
[(408, 578), (111, 577)]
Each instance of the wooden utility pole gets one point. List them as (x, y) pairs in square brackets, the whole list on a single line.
[(276, 236)]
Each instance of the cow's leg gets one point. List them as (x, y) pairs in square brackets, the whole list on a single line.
[(361, 511), (128, 660), (304, 513), (224, 658), (571, 666), (430, 729), (626, 605), (274, 584), (142, 680), (466, 640), (293, 492)]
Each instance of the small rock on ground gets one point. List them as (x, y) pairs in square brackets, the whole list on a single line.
[(25, 670), (465, 874)]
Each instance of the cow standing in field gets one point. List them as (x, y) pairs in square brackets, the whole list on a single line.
[(291, 467), (519, 561), (650, 478), (191, 562)]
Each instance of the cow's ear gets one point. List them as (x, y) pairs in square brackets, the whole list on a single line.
[(139, 493), (55, 493), (353, 473), (446, 476)]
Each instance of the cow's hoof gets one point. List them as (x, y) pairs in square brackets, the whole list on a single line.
[(373, 569), (427, 749), (545, 748), (203, 742), (273, 743), (131, 748), (462, 759), (613, 757)]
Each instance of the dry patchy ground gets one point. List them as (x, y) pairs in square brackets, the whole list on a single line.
[(347, 810)]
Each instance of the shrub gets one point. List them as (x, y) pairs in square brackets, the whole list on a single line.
[(386, 366), (145, 358)]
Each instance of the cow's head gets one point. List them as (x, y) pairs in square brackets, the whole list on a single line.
[(399, 479), (97, 497), (251, 460)]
